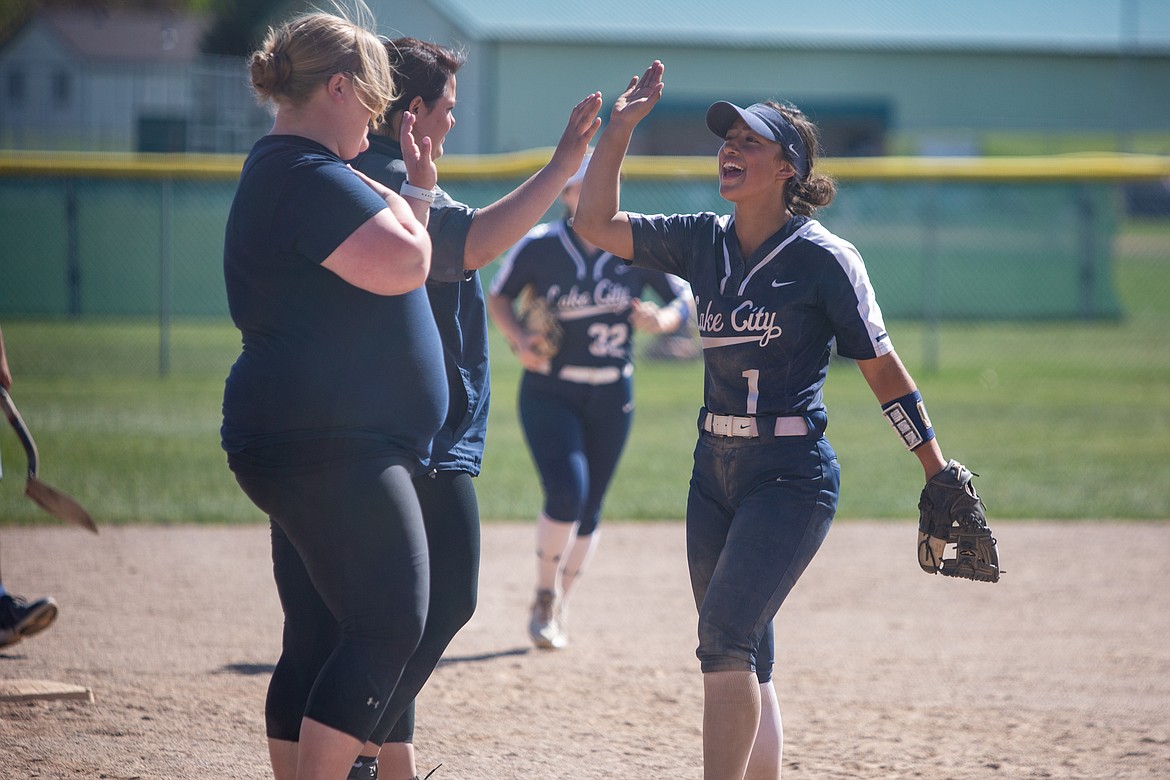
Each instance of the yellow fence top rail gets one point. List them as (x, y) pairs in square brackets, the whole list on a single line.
[(1067, 167)]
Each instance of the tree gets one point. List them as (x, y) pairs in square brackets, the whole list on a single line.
[(239, 25)]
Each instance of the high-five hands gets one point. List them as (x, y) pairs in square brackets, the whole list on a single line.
[(640, 96), (583, 124), (649, 317), (421, 170)]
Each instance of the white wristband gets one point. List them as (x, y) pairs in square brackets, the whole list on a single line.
[(408, 190)]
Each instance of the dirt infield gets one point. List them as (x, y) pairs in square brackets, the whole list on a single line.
[(1061, 670)]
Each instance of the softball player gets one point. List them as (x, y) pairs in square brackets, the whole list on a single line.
[(774, 290), (464, 239), (576, 407)]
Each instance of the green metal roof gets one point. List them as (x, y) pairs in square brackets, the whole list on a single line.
[(1140, 27)]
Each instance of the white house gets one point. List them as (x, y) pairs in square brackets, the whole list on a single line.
[(118, 80)]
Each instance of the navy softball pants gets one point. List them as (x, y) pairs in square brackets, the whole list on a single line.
[(757, 512), (576, 433)]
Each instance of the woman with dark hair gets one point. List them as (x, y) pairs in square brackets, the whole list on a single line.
[(774, 291), (464, 239)]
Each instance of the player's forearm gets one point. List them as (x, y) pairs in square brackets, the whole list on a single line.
[(419, 208), (889, 381), (681, 308), (887, 377), (598, 219), (931, 457), (497, 227)]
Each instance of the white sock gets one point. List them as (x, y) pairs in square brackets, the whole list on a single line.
[(577, 558), (731, 717), (552, 540), (765, 761)]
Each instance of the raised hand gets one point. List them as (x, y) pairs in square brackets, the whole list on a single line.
[(583, 124), (640, 96), (416, 155), (649, 317)]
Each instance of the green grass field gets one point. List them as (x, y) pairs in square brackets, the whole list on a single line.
[(1061, 420)]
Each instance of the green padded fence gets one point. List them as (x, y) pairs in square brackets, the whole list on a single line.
[(141, 235)]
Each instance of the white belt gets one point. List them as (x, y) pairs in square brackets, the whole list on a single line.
[(590, 375), (732, 425)]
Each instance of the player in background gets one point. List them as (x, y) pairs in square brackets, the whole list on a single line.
[(576, 406), (20, 618), (464, 239), (339, 389), (774, 290)]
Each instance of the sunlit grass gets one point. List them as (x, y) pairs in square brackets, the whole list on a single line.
[(1061, 420)]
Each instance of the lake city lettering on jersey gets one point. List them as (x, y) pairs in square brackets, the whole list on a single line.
[(747, 318), (606, 292)]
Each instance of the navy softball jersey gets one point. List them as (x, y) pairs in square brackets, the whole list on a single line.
[(590, 297), (321, 358), (460, 311), (768, 321)]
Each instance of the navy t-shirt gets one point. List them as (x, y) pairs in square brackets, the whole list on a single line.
[(767, 322), (460, 312), (321, 358)]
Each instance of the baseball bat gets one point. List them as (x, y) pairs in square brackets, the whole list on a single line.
[(49, 498)]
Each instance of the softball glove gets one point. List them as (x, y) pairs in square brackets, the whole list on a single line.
[(538, 318), (951, 512)]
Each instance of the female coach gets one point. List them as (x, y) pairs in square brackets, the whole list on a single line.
[(576, 407), (339, 389), (774, 289)]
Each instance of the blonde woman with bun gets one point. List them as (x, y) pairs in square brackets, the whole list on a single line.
[(339, 388)]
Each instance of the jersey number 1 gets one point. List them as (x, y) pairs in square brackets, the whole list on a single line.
[(752, 375)]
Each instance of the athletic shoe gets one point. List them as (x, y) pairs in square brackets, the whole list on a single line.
[(364, 768), (20, 619), (542, 625)]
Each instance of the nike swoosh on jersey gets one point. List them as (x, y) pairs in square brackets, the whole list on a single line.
[(714, 342), (781, 284)]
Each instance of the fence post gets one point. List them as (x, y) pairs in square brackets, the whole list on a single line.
[(73, 249), (931, 280), (1087, 216), (166, 262)]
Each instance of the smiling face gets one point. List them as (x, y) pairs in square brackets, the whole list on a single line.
[(751, 165), (435, 121)]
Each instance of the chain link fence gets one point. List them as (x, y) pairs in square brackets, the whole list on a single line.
[(121, 255)]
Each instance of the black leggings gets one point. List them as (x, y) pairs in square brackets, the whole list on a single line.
[(451, 514), (348, 543), (451, 520)]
